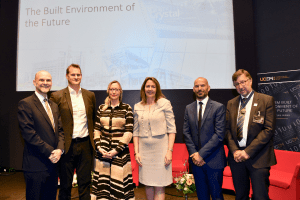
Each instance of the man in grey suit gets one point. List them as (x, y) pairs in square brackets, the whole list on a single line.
[(77, 109), (250, 123), (41, 128), (204, 131)]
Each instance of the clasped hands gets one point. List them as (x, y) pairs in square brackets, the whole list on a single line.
[(240, 156), (197, 159), (55, 155), (108, 155)]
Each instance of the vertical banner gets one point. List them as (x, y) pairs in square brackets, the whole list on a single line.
[(284, 86)]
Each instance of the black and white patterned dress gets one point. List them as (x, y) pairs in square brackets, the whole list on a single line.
[(112, 179)]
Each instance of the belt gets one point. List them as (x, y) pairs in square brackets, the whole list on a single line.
[(76, 140)]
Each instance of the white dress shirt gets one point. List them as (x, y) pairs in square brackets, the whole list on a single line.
[(41, 98), (204, 103), (80, 129), (243, 142)]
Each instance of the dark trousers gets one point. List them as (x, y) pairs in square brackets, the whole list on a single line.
[(79, 157), (241, 175), (208, 182), (41, 185)]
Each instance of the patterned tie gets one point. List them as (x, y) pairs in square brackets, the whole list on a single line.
[(241, 119), (199, 122), (49, 112)]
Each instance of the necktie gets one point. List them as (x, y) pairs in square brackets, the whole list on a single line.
[(49, 112), (241, 119), (199, 122)]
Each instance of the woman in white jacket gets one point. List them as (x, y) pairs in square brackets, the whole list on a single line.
[(153, 137)]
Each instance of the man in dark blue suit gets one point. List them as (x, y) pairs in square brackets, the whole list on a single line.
[(41, 128), (204, 131)]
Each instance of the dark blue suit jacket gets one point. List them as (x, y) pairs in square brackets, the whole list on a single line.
[(39, 136), (212, 133)]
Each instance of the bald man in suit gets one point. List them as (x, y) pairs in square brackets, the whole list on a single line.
[(41, 128), (250, 123), (204, 131)]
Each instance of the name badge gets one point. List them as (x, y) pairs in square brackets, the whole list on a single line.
[(258, 119)]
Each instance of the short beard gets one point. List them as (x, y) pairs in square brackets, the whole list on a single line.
[(202, 97)]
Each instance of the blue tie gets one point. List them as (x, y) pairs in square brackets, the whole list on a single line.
[(241, 116), (241, 119)]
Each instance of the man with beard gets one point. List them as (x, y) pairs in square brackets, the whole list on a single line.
[(204, 131), (77, 109), (41, 128)]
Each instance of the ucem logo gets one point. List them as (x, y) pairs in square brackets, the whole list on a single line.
[(271, 78)]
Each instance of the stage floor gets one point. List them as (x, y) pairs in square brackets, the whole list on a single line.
[(12, 187)]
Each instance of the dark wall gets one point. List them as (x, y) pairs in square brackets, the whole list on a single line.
[(10, 141), (277, 31), (244, 37), (11, 144)]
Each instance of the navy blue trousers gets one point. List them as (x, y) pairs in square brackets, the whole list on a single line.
[(208, 182)]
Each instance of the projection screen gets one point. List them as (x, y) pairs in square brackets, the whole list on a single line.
[(175, 41)]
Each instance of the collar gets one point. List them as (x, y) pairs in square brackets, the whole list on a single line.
[(249, 95), (72, 91), (41, 97), (204, 101), (118, 105)]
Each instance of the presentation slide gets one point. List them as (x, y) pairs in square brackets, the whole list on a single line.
[(175, 41)]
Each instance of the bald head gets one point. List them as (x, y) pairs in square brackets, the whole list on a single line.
[(201, 88), (42, 82), (42, 72), (201, 79)]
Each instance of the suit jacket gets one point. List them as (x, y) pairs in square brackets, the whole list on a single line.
[(259, 145), (63, 99), (161, 120), (212, 133), (39, 136)]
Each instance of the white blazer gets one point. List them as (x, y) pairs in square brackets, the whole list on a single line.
[(159, 121)]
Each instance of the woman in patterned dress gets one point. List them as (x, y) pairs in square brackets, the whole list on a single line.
[(153, 138), (112, 178)]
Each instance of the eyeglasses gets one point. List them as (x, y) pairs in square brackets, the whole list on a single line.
[(114, 89), (242, 83)]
